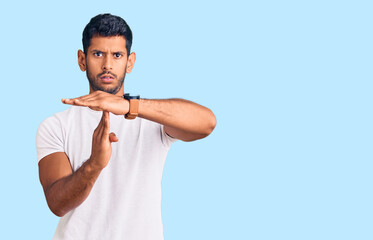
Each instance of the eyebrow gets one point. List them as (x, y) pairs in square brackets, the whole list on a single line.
[(120, 52), (95, 50)]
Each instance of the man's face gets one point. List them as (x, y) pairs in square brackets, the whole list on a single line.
[(106, 64)]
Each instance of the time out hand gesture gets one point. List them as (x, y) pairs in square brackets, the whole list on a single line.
[(101, 142), (101, 101)]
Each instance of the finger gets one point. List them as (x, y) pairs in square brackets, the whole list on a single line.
[(95, 96), (67, 101), (71, 99), (91, 102), (85, 97), (74, 101), (94, 104), (100, 126), (79, 102), (96, 108), (87, 103), (106, 128), (113, 137)]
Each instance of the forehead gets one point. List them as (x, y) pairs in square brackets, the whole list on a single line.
[(108, 44)]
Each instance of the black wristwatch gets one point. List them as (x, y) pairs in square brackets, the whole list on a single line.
[(134, 106)]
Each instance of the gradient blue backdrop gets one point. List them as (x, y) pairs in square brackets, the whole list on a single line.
[(289, 81)]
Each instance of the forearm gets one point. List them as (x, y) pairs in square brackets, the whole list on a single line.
[(69, 192), (182, 117)]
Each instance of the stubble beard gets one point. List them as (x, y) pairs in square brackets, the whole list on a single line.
[(94, 82)]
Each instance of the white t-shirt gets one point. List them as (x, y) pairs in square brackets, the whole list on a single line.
[(125, 201)]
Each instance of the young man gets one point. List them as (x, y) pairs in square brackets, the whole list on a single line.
[(107, 185)]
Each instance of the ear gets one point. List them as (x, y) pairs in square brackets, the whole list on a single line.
[(81, 60), (131, 62)]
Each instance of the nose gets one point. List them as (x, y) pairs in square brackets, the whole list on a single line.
[(107, 64)]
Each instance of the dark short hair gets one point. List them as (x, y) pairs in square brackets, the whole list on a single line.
[(107, 25)]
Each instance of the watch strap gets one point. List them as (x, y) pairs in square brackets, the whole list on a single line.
[(134, 101), (133, 109)]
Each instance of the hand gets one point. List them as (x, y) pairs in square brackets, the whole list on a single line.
[(101, 142), (101, 101)]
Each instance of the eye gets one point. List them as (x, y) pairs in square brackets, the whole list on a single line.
[(117, 55), (98, 54)]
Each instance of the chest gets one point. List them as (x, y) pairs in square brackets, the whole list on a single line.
[(139, 146)]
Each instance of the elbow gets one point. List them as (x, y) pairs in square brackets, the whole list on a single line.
[(56, 210), (55, 207), (58, 213), (211, 124)]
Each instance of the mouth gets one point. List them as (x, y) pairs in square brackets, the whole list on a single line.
[(107, 78)]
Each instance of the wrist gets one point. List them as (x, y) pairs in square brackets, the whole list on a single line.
[(126, 106), (93, 166)]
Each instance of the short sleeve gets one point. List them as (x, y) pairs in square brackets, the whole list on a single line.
[(49, 138), (167, 140)]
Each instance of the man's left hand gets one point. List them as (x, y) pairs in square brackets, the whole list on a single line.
[(101, 101)]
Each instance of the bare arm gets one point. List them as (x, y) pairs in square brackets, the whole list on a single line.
[(182, 119), (65, 189)]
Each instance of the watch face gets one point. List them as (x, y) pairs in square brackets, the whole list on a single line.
[(128, 97)]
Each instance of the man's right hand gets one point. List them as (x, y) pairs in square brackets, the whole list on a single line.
[(101, 142)]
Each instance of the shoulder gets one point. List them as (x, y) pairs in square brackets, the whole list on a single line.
[(61, 117), (55, 123)]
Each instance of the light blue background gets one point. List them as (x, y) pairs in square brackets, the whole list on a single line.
[(289, 81)]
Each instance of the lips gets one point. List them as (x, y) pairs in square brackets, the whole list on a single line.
[(107, 78)]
